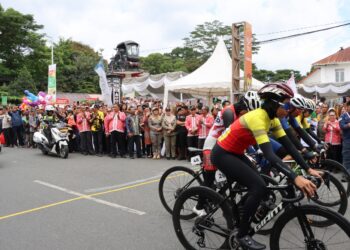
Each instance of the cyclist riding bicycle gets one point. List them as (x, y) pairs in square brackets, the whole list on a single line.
[(225, 117), (252, 128), (290, 124), (302, 119)]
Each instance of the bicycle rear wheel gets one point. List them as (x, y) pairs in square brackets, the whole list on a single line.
[(291, 232), (210, 231), (173, 182)]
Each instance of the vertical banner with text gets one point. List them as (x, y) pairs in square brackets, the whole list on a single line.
[(51, 87), (4, 100), (248, 44)]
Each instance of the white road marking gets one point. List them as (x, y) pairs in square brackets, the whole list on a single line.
[(93, 190), (107, 203)]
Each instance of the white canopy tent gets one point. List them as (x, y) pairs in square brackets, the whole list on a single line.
[(213, 78), (153, 85)]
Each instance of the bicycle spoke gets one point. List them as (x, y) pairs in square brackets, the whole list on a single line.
[(331, 236)]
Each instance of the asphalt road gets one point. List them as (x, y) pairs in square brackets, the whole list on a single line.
[(42, 203)]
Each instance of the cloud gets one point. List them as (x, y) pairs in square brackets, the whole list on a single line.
[(157, 24)]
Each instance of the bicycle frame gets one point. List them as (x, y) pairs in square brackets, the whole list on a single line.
[(286, 202)]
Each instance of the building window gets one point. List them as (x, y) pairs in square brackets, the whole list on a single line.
[(339, 75)]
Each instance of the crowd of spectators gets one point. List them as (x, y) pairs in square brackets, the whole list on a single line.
[(142, 128), (333, 127), (135, 128)]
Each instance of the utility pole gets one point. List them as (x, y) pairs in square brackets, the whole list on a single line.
[(235, 60), (51, 52), (241, 35)]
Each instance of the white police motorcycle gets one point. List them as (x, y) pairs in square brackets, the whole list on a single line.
[(59, 140)]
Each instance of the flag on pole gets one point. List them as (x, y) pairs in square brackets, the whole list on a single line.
[(291, 83), (105, 89)]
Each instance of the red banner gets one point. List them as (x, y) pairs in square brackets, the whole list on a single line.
[(63, 101), (248, 44)]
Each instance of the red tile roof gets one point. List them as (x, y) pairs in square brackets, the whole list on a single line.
[(343, 55)]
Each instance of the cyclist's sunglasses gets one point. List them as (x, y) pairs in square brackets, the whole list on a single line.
[(284, 105)]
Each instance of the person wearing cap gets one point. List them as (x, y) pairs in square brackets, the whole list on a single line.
[(97, 119), (155, 124), (169, 125), (192, 124), (132, 123), (6, 126)]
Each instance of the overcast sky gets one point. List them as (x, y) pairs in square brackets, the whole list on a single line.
[(159, 25)]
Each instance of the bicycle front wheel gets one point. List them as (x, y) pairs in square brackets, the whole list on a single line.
[(295, 229), (332, 195), (173, 182), (210, 231), (338, 170)]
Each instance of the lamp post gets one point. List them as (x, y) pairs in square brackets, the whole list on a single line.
[(51, 41)]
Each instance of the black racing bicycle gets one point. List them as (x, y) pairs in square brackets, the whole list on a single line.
[(297, 226)]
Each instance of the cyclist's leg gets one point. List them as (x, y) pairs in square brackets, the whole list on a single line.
[(208, 170), (236, 168)]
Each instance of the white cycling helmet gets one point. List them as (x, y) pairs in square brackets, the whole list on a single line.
[(298, 101), (310, 105), (252, 100), (49, 108)]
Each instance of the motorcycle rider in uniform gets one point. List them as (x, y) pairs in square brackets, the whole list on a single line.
[(48, 119)]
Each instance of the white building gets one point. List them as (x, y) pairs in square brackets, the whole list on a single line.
[(330, 76)]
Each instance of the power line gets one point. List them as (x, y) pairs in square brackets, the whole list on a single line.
[(300, 28), (275, 39), (300, 34)]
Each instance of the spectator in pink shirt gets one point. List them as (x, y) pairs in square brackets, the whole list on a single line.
[(206, 121), (115, 130), (83, 124), (192, 124), (333, 137)]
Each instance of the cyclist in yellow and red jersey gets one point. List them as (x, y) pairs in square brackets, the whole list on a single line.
[(251, 129)]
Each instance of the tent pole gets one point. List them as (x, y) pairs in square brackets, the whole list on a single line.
[(165, 99)]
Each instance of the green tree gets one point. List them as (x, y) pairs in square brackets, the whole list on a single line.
[(284, 74), (196, 50), (192, 59), (23, 81), (205, 37), (20, 43), (75, 67), (275, 76), (157, 63)]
